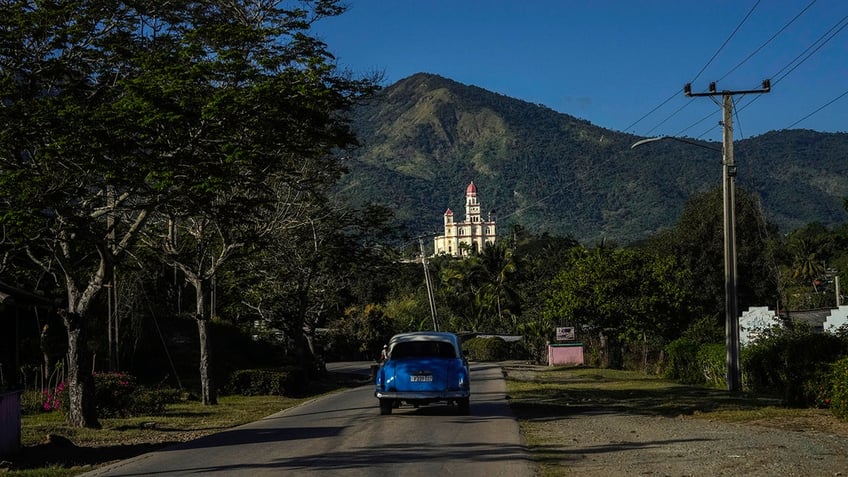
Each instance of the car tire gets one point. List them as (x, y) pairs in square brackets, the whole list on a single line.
[(463, 406), (386, 406)]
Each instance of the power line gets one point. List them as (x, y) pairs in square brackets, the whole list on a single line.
[(683, 131), (753, 53), (811, 53), (726, 41), (815, 47), (673, 95), (808, 52), (669, 116), (780, 75), (819, 109)]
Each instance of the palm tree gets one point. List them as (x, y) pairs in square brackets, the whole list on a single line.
[(461, 286), (498, 267), (806, 267)]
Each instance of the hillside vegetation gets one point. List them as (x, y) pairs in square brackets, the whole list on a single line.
[(425, 138)]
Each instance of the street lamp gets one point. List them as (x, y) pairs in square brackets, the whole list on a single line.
[(734, 375), (672, 138)]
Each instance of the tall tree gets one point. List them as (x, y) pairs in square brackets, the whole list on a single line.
[(480, 289), (697, 242), (74, 190), (244, 102), (499, 269), (627, 291), (113, 111)]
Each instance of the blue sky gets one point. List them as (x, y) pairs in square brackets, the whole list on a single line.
[(620, 64)]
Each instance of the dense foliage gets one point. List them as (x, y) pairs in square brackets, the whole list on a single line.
[(697, 243), (839, 389), (625, 292), (788, 360)]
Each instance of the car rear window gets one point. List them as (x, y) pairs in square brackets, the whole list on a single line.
[(423, 349)]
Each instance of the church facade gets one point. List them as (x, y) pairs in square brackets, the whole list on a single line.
[(469, 236)]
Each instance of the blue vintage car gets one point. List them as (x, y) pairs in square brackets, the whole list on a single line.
[(422, 368)]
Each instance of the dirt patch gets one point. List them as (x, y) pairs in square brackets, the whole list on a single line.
[(577, 423)]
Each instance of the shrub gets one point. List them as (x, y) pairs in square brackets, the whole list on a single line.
[(682, 364), (32, 402), (113, 393), (818, 388), (290, 380), (786, 361), (486, 349), (692, 363), (116, 395), (151, 402), (839, 389), (712, 358)]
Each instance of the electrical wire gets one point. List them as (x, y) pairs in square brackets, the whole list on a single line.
[(777, 77), (768, 41), (817, 110), (673, 95), (726, 41), (815, 47), (715, 55), (708, 116), (737, 125), (668, 117), (842, 22), (800, 59)]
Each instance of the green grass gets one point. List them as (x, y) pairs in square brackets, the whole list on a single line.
[(551, 391), (184, 417)]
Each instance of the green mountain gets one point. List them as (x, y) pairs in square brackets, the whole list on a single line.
[(425, 138)]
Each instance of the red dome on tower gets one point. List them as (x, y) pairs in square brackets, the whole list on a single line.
[(471, 190)]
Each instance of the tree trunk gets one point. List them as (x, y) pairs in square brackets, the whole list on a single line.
[(82, 406), (208, 394)]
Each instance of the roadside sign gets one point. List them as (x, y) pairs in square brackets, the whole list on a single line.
[(565, 333)]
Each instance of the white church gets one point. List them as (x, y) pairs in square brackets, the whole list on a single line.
[(468, 236)]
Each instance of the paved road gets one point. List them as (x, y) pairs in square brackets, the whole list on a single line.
[(343, 434)]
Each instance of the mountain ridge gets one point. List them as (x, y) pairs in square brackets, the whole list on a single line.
[(425, 137)]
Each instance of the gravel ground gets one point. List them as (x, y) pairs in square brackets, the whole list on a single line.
[(601, 440), (613, 444)]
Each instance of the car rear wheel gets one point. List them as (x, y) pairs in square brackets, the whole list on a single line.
[(386, 406)]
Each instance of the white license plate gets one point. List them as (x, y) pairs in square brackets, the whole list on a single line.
[(424, 378)]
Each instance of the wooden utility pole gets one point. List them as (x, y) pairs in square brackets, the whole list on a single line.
[(430, 294), (734, 374)]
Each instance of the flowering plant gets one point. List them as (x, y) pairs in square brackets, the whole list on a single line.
[(114, 393), (52, 398)]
